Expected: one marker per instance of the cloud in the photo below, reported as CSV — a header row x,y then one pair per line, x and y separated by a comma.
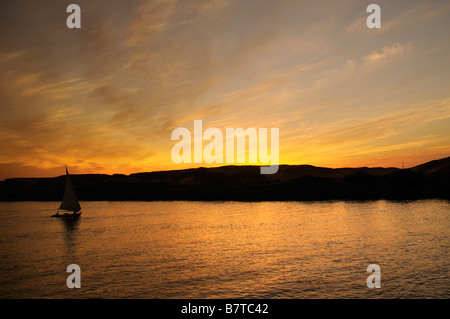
x,y
415,15
395,49
6,57
336,73
153,17
373,135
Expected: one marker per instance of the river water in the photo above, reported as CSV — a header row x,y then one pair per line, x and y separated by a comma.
x,y
227,249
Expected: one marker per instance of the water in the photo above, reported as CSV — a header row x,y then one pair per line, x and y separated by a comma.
x,y
227,250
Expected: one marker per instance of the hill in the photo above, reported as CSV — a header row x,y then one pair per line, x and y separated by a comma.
x,y
245,183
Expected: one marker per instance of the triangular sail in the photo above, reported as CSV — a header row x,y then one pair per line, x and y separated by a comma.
x,y
70,201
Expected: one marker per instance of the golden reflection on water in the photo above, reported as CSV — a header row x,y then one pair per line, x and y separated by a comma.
x,y
227,249
71,226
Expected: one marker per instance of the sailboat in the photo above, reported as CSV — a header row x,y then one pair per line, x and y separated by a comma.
x,y
70,201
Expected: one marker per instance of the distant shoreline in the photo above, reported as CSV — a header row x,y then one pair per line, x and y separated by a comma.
x,y
244,183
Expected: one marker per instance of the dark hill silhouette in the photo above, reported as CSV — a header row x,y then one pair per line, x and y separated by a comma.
x,y
437,166
245,183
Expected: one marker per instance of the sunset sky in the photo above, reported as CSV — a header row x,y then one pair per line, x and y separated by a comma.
x,y
105,98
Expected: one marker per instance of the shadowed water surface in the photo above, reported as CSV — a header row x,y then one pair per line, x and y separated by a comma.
x,y
226,249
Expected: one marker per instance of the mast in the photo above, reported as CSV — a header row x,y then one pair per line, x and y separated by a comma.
x,y
70,200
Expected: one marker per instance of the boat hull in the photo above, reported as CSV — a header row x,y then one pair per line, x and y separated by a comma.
x,y
67,215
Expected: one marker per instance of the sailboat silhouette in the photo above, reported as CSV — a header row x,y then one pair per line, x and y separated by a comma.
x,y
70,201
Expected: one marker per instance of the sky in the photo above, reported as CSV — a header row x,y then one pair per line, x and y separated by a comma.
x,y
105,98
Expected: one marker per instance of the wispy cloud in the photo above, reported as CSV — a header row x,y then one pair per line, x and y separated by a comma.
x,y
6,57
387,51
153,16
416,14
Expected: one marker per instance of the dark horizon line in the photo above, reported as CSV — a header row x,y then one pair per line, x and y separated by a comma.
x,y
245,183
233,165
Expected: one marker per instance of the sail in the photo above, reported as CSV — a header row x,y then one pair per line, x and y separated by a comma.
x,y
70,200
